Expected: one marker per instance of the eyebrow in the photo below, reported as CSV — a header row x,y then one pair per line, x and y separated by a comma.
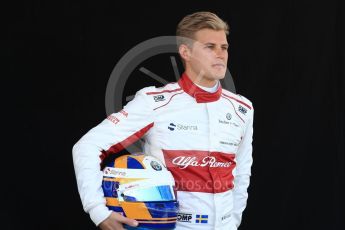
x,y
210,43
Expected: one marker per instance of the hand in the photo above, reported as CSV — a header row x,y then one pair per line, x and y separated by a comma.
x,y
115,221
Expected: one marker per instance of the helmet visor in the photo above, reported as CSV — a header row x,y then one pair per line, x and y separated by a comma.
x,y
146,194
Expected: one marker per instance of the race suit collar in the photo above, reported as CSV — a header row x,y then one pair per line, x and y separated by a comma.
x,y
200,95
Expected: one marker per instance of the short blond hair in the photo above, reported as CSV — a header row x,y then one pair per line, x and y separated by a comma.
x,y
192,23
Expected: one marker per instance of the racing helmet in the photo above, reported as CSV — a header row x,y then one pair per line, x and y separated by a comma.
x,y
139,187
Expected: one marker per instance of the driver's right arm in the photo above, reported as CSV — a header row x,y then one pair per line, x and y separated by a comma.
x,y
115,133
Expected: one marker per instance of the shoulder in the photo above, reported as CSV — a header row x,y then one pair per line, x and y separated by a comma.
x,y
242,106
238,99
159,94
166,89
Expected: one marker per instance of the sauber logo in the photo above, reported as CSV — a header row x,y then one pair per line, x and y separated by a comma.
x,y
183,162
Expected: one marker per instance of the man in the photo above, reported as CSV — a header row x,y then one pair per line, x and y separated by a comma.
x,y
202,133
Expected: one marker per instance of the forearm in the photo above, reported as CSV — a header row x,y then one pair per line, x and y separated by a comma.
x,y
89,180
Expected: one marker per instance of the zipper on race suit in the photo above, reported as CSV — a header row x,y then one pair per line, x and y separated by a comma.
x,y
210,135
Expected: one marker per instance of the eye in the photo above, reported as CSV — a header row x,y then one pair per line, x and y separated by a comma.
x,y
210,46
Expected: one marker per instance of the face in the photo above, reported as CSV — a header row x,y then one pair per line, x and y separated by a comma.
x,y
206,60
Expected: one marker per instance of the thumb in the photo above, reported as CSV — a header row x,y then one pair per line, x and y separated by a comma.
x,y
128,221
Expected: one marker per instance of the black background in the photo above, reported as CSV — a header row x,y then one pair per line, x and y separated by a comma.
x,y
287,57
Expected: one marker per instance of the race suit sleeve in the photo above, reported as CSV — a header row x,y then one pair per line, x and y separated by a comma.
x,y
115,133
243,171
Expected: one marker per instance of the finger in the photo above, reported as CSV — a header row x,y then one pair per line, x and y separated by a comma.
x,y
111,226
127,221
112,223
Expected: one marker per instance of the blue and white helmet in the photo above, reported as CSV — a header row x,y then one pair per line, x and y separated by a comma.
x,y
141,188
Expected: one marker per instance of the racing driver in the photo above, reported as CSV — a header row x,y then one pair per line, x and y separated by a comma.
x,y
202,133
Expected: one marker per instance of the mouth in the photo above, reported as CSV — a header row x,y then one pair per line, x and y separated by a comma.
x,y
218,65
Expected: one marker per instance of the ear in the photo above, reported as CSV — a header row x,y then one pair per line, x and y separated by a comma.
x,y
185,52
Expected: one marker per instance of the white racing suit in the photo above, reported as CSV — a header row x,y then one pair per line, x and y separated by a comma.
x,y
204,139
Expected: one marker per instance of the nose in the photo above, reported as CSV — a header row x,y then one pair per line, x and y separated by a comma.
x,y
220,52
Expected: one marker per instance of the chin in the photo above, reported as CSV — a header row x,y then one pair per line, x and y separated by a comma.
x,y
218,76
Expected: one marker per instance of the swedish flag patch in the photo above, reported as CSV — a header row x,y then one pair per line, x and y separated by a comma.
x,y
201,219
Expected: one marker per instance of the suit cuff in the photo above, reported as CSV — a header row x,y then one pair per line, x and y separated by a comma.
x,y
99,213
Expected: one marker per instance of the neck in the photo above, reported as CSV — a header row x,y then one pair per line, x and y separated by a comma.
x,y
200,79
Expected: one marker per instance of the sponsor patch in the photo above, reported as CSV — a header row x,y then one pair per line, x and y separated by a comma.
x,y
242,109
182,127
201,219
159,98
113,119
226,216
113,172
223,122
228,143
124,113
171,126
184,163
208,161
156,166
184,217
